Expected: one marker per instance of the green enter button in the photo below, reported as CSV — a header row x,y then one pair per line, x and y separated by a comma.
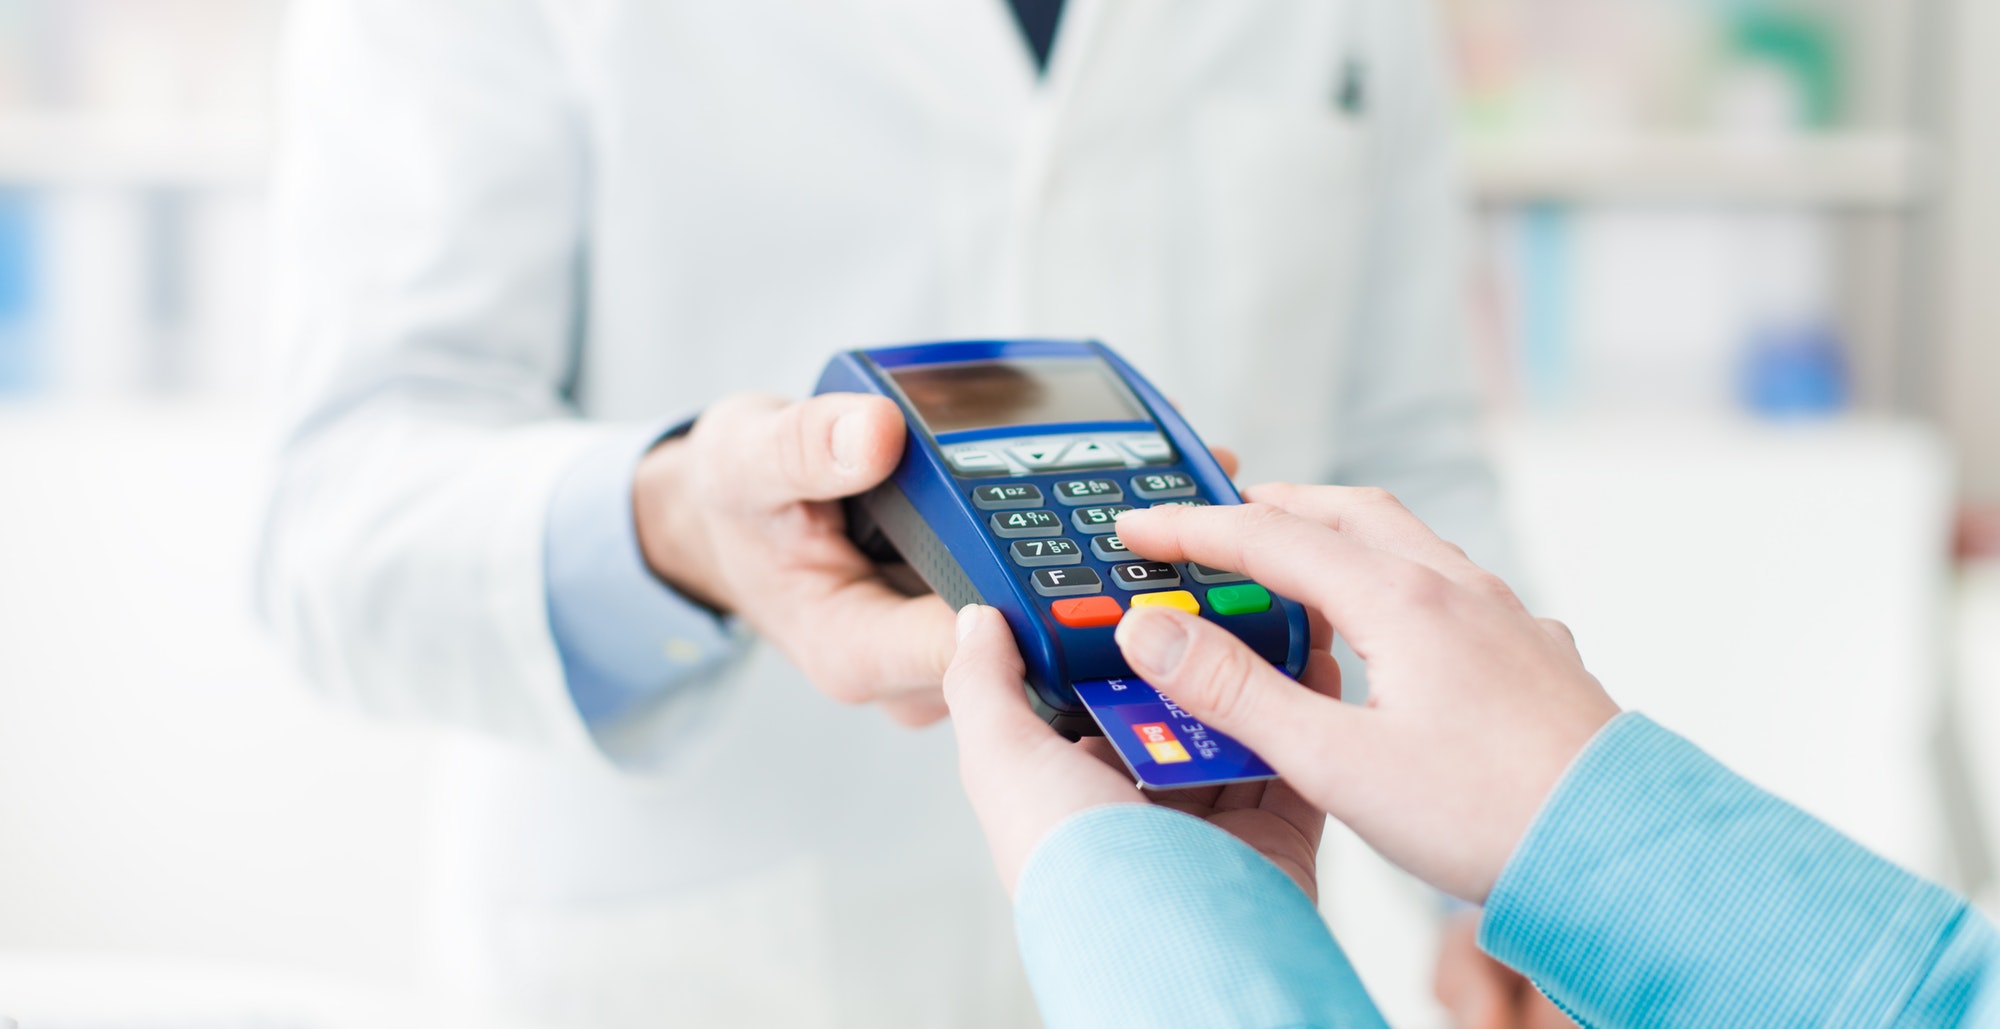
x,y
1245,599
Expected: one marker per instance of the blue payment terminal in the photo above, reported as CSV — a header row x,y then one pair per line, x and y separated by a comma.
x,y
1020,456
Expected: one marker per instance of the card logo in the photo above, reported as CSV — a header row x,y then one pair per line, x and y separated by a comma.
x,y
1160,743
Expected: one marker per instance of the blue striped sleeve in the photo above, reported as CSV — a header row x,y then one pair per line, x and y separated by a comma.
x,y
1656,887
1134,915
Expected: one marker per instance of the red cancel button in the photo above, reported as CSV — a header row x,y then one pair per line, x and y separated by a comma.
x,y
1087,612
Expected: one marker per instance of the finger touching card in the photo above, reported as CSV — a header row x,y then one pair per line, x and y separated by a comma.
x,y
1165,747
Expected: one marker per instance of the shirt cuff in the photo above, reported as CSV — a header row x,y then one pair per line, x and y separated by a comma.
x,y
1130,914
1656,886
625,637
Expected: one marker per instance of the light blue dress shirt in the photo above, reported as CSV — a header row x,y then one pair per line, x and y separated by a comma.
x,y
626,638
1654,888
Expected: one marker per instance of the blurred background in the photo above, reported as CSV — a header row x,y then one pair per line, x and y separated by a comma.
x,y
1729,301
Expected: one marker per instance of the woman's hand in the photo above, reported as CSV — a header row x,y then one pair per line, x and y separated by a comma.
x,y
1024,780
1475,707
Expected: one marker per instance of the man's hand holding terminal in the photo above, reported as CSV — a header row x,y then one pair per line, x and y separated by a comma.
x,y
743,514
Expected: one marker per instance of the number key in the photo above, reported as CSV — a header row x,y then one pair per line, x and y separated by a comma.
x,y
1044,553
1006,496
1145,575
1019,524
1161,485
1098,519
1109,548
1089,491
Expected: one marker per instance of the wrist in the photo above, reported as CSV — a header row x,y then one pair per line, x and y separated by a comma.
x,y
1537,789
672,534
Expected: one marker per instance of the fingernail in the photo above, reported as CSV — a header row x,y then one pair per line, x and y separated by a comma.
x,y
1154,640
968,616
850,441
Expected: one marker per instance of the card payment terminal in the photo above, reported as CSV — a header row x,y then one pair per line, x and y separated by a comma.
x,y
1020,456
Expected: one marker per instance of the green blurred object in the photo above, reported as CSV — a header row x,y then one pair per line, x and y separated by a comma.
x,y
1804,43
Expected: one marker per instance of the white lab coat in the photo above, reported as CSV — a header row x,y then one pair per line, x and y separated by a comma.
x,y
509,228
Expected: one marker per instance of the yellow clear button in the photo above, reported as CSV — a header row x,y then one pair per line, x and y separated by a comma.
x,y
1171,598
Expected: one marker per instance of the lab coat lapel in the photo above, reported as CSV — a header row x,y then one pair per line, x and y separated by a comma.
x,y
1036,162
964,58
1090,193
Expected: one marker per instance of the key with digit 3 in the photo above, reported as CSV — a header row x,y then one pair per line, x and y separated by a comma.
x,y
1020,456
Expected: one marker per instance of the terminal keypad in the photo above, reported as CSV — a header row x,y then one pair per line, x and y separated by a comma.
x,y
1051,549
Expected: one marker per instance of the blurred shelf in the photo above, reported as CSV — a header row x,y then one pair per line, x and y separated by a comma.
x,y
63,150
1867,171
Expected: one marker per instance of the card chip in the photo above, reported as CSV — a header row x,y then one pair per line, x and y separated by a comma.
x,y
1160,743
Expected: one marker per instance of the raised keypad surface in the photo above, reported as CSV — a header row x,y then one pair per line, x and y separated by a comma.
x,y
1243,599
1019,524
1145,575
1181,599
1098,519
1039,457
1045,553
975,461
1109,548
1089,491
1209,576
1066,582
1092,454
1061,452
1162,485
1087,612
1070,552
1007,496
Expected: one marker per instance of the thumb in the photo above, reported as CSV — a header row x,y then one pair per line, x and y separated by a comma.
x,y
983,688
823,448
1219,680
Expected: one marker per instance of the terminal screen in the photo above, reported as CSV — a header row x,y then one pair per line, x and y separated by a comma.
x,y
1005,394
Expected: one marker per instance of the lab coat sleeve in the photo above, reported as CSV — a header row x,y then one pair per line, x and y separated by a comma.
x,y
1410,418
627,640
429,242
1656,887
1136,915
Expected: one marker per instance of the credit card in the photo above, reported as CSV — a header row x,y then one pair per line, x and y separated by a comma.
x,y
1165,747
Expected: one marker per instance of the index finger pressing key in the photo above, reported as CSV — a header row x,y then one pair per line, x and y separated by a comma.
x,y
1360,589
